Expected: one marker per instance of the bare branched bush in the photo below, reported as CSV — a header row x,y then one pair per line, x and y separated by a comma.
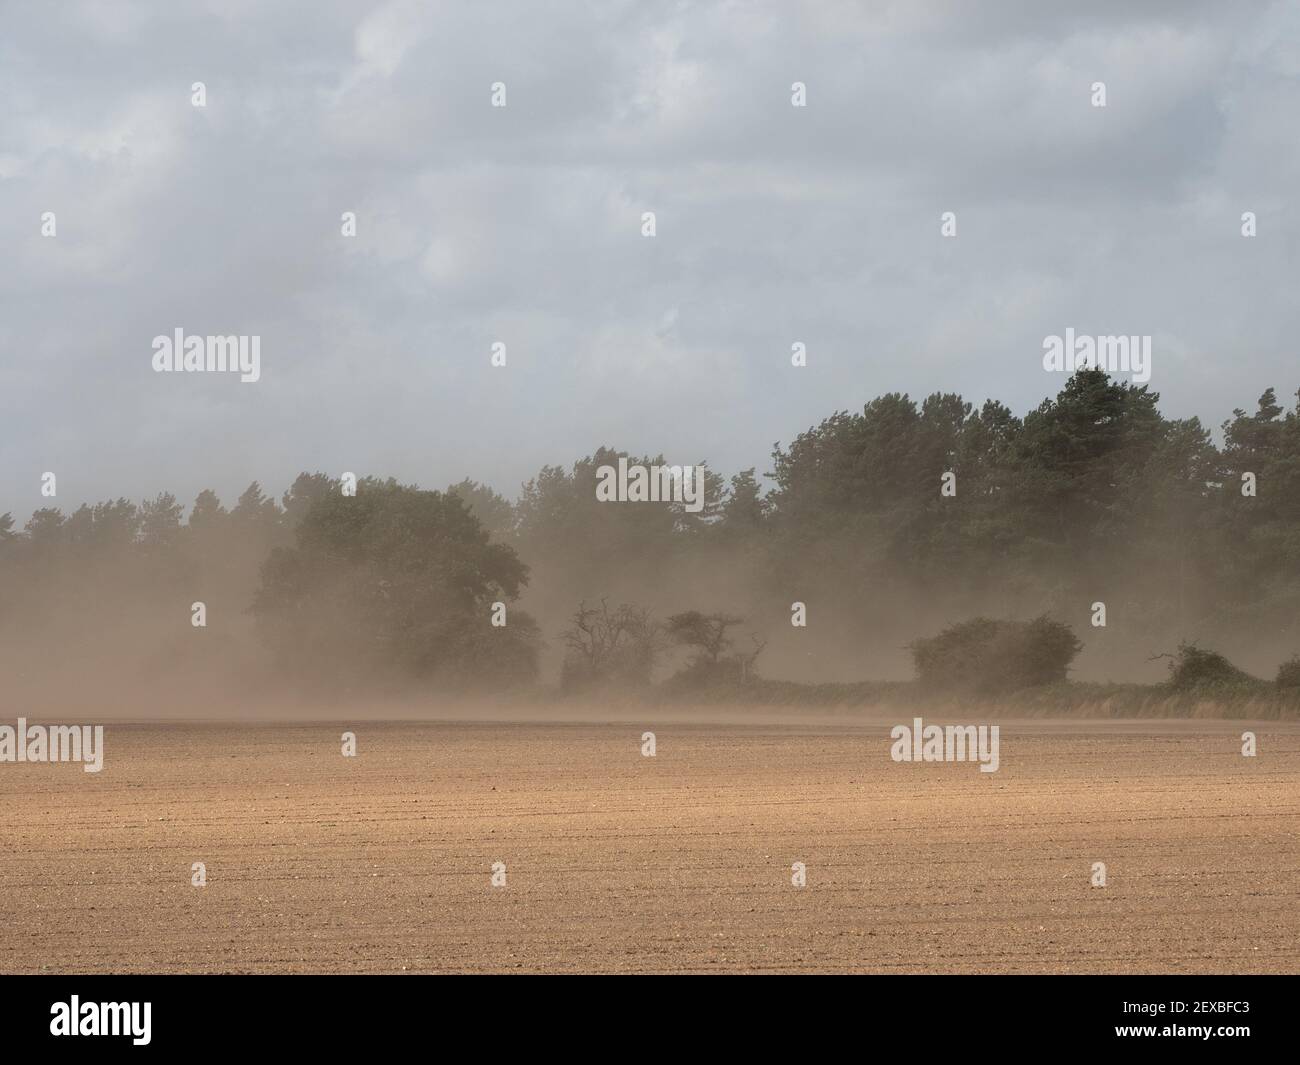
x,y
604,646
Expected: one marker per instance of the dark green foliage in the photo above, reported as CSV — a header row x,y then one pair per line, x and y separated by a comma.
x,y
986,656
1288,673
1194,668
396,581
306,489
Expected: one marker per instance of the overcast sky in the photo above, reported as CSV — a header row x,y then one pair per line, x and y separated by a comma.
x,y
522,224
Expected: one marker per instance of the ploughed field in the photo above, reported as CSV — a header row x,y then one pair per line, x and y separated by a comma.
x,y
617,862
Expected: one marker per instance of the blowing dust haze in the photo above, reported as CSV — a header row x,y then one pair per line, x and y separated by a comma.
x,y
637,488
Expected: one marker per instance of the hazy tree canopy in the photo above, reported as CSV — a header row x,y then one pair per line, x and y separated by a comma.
x,y
396,576
160,521
255,511
305,490
744,508
495,512
207,512
705,634
1197,668
1092,497
987,656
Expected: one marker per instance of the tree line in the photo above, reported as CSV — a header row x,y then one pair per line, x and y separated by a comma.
x,y
1094,496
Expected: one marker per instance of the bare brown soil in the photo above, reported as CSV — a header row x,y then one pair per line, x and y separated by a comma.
x,y
682,862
